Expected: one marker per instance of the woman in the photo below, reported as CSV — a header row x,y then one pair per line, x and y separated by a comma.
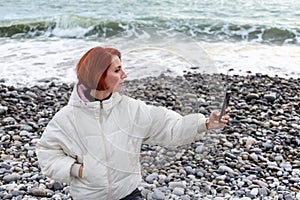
x,y
94,142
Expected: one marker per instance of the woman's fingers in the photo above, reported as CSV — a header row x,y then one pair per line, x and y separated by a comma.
x,y
227,110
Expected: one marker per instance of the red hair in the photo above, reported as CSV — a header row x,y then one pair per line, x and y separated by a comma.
x,y
93,65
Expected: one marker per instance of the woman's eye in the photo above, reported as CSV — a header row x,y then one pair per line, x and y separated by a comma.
x,y
117,70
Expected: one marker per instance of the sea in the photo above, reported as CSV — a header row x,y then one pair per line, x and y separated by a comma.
x,y
42,40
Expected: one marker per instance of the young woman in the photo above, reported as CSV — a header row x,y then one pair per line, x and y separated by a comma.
x,y
94,142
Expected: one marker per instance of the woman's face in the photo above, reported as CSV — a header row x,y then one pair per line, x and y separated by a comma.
x,y
115,76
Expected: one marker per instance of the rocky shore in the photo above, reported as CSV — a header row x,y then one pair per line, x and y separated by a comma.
x,y
257,156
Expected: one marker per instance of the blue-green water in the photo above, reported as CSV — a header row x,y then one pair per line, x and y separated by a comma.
x,y
258,35
274,21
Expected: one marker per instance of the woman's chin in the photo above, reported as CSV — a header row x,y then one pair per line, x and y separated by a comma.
x,y
118,89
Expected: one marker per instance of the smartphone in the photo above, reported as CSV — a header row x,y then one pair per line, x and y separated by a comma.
x,y
225,104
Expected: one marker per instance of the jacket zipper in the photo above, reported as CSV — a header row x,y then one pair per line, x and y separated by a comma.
x,y
106,156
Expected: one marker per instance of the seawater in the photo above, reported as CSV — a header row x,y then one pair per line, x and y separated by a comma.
x,y
42,40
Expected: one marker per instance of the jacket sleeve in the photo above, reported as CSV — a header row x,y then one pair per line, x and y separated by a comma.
x,y
168,128
52,153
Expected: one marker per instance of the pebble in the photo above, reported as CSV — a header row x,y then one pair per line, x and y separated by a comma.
x,y
270,97
260,183
255,156
297,172
57,185
11,177
298,196
250,141
39,193
3,109
178,191
263,191
254,192
159,195
251,96
150,178
222,169
173,185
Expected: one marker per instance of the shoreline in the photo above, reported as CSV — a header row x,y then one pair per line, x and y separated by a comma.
x,y
256,156
46,82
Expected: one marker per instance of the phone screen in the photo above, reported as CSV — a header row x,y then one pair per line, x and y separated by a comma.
x,y
225,104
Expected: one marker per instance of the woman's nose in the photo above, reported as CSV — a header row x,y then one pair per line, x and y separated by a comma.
x,y
124,75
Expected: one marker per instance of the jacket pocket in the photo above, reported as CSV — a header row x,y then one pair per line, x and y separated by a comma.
x,y
94,173
94,164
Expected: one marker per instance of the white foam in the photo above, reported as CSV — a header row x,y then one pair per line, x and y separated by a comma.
x,y
29,62
283,60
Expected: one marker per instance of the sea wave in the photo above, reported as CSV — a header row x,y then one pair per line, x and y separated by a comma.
x,y
75,26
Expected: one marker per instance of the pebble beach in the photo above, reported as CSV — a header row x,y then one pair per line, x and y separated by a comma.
x,y
257,156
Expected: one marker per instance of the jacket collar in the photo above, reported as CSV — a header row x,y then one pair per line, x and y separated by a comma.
x,y
78,99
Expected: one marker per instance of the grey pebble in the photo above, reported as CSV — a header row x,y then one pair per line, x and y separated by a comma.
x,y
298,196
150,178
3,109
254,192
270,97
8,196
57,185
178,191
222,169
254,157
173,185
157,194
11,177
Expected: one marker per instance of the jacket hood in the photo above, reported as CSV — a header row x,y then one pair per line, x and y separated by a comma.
x,y
78,99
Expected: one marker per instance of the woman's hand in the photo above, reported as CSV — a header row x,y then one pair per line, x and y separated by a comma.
x,y
80,171
213,121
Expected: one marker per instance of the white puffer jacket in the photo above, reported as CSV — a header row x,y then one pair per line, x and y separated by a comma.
x,y
106,138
